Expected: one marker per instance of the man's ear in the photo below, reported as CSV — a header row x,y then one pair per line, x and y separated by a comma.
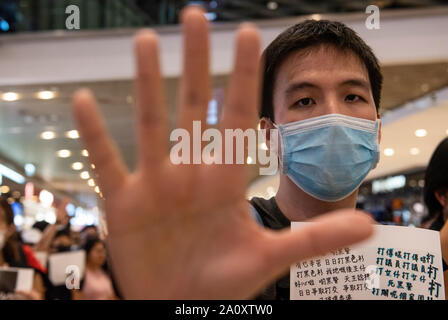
x,y
379,129
442,197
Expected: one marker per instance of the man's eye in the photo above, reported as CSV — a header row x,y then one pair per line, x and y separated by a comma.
x,y
354,98
305,102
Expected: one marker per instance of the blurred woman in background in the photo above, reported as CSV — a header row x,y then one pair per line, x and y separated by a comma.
x,y
97,283
15,254
436,199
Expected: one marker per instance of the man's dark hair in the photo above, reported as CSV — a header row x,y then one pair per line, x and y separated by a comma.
x,y
62,233
87,227
311,33
436,179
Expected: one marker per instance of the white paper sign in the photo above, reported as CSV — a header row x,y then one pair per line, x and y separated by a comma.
x,y
42,257
396,263
58,263
16,279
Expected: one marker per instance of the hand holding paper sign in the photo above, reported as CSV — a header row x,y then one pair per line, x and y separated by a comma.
x,y
184,231
17,284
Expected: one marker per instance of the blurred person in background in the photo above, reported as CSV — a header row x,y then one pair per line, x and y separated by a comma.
x,y
62,242
58,234
15,254
88,232
57,238
97,283
435,194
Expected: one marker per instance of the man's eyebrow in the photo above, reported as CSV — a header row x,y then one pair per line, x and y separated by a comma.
x,y
299,85
357,83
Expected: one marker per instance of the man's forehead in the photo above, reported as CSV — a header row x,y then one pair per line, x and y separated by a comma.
x,y
322,60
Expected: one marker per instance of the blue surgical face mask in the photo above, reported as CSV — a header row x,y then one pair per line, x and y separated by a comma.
x,y
329,156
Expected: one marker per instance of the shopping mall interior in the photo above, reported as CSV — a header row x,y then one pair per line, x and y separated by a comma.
x,y
42,63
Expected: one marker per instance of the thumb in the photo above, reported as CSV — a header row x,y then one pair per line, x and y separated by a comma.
x,y
323,234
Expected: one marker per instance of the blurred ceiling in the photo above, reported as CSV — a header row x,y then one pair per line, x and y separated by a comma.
x,y
403,83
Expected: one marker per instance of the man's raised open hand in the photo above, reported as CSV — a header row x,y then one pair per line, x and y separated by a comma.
x,y
184,231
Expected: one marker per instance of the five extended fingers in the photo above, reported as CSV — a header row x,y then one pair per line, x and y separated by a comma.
x,y
241,107
281,250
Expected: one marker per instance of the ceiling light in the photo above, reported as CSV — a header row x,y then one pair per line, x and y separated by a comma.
x,y
414,151
72,134
213,4
85,153
30,169
272,5
91,183
46,198
48,135
420,133
85,175
77,166
11,174
92,166
425,87
46,95
64,153
4,189
210,16
389,152
4,25
97,189
10,96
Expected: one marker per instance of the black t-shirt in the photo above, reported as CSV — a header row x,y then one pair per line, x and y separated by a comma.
x,y
437,226
274,219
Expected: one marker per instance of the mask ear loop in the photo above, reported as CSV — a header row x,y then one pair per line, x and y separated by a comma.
x,y
274,147
378,128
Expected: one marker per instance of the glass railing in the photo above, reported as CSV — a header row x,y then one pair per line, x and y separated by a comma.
x,y
45,15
